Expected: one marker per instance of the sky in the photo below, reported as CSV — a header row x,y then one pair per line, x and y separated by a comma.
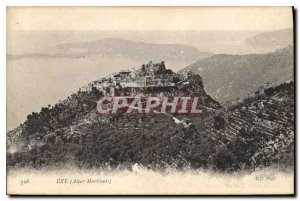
x,y
148,18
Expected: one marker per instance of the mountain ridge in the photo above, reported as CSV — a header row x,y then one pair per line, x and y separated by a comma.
x,y
119,47
273,39
228,77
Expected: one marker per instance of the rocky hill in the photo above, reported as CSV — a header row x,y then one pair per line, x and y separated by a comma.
x,y
227,77
254,132
63,132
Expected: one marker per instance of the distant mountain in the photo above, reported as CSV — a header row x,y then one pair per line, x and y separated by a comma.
x,y
275,39
133,49
228,77
122,48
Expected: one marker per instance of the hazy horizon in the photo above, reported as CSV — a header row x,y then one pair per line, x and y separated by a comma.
x,y
216,42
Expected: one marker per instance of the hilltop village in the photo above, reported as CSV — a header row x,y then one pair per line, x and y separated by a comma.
x,y
255,132
150,77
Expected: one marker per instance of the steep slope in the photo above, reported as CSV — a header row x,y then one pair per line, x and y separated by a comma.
x,y
72,132
255,132
227,77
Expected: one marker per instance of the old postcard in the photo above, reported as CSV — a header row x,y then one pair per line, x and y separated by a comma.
x,y
150,101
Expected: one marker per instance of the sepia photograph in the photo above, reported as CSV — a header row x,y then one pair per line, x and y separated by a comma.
x,y
150,100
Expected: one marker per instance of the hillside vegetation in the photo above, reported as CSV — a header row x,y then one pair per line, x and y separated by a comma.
x,y
227,77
